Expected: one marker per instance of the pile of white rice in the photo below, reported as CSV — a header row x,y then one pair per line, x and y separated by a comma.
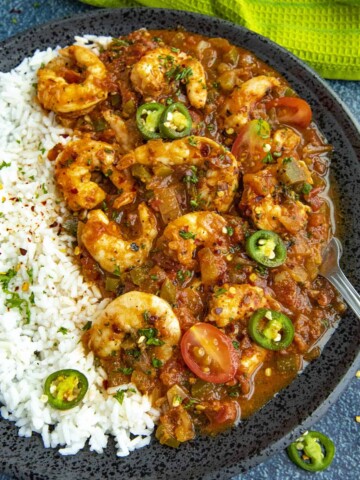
x,y
49,282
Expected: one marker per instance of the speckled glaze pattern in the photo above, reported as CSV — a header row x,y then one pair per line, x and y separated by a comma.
x,y
309,396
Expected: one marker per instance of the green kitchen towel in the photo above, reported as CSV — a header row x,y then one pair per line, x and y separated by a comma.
x,y
324,33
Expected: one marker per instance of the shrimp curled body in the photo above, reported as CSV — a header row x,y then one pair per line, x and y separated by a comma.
x,y
238,106
125,316
216,188
64,91
148,75
73,169
105,243
183,236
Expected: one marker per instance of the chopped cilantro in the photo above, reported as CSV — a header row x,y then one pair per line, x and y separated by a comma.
x,y
5,278
186,235
229,231
126,370
306,189
182,275
87,326
117,271
63,330
119,396
219,291
156,362
192,141
236,344
4,164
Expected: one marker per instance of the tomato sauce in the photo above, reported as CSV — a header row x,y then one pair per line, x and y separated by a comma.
x,y
283,162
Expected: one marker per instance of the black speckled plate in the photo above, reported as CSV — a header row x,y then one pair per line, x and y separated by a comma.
x,y
309,396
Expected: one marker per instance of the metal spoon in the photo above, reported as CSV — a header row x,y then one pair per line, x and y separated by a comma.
x,y
330,269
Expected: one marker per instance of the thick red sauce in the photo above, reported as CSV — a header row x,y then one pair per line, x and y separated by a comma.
x,y
265,185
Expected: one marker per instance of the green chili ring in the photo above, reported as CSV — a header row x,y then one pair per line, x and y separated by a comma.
x,y
313,445
175,121
266,248
65,388
148,118
276,334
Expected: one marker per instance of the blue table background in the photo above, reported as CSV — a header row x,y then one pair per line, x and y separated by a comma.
x,y
339,421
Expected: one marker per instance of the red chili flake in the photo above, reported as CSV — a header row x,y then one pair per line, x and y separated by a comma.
x,y
74,190
23,251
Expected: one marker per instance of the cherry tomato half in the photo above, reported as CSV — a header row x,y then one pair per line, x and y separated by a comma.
x,y
251,138
209,353
292,110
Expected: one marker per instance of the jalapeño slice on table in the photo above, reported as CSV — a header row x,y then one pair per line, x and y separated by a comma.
x,y
65,388
175,121
270,329
313,451
266,248
148,119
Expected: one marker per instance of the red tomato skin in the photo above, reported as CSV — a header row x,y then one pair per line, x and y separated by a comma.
x,y
230,359
292,110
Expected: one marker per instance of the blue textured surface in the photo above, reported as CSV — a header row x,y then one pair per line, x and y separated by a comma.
x,y
339,422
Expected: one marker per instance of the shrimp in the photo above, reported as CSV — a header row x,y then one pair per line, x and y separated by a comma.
x,y
216,188
64,90
238,106
73,169
123,138
236,303
105,243
267,214
126,316
151,73
184,235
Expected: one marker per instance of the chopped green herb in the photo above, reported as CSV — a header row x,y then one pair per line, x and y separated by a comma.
x,y
117,271
148,332
134,352
4,164
63,330
156,342
268,158
156,363
219,291
5,278
119,396
186,235
236,344
87,326
126,370
192,141
182,275
32,298
146,315
117,42
229,231
263,128
155,278
306,189
44,189
287,160
15,301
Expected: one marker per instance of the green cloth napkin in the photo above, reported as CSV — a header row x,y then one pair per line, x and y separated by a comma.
x,y
324,33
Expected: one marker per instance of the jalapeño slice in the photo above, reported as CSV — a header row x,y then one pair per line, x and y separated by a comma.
x,y
175,121
266,248
148,119
270,329
65,388
313,451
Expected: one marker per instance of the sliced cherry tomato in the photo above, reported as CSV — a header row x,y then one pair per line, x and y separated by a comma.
x,y
209,353
292,110
252,138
